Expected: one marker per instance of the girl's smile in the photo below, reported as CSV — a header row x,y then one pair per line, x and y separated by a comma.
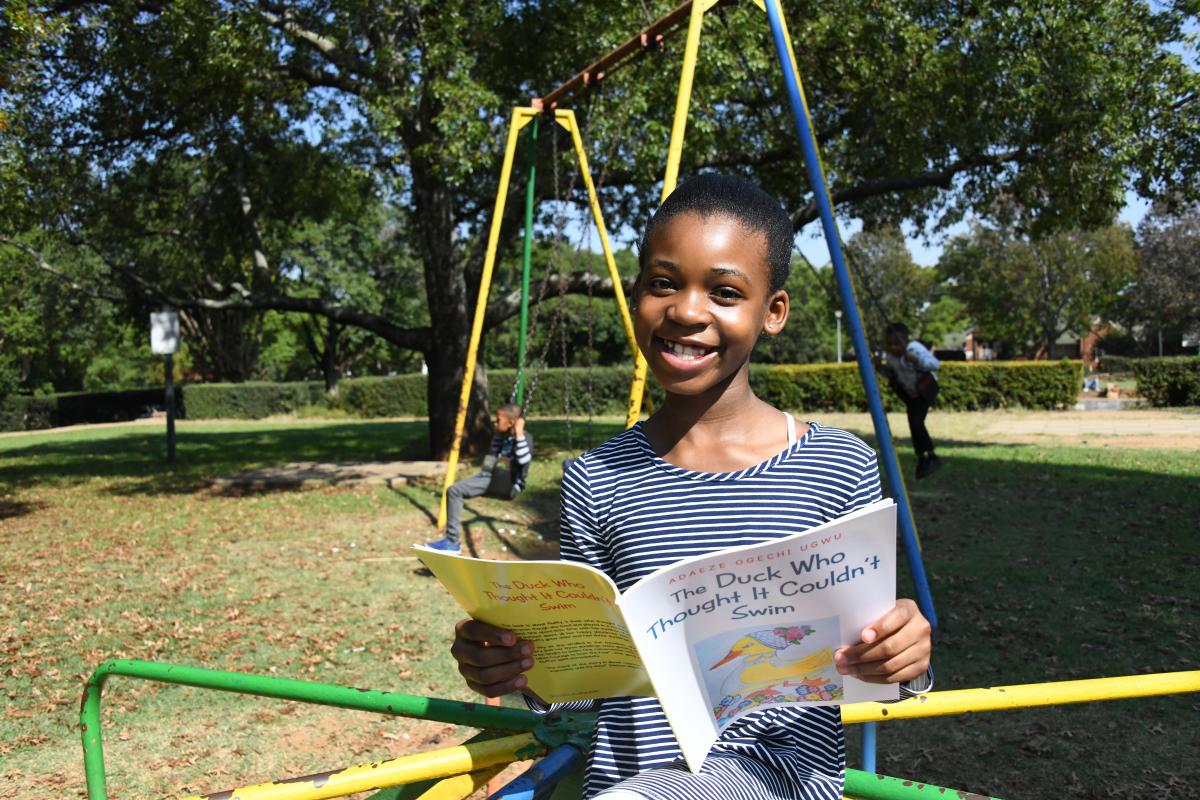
x,y
683,355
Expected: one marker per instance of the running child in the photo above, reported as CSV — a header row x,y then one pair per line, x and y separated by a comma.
x,y
912,371
714,467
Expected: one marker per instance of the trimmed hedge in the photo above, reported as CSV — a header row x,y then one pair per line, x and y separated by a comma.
x,y
1173,381
25,413
603,392
963,386
396,396
251,400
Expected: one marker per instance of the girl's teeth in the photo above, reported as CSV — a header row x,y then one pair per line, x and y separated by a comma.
x,y
685,350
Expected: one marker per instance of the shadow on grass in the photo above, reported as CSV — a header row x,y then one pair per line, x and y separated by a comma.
x,y
205,454
1055,564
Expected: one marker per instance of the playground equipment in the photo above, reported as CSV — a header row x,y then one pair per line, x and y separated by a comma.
x,y
558,741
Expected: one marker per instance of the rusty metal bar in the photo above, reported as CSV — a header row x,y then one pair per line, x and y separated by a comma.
x,y
649,38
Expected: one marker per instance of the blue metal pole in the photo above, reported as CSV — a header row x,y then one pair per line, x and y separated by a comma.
x,y
846,290
543,775
868,746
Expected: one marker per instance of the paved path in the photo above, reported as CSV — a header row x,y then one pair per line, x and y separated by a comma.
x,y
312,473
1131,428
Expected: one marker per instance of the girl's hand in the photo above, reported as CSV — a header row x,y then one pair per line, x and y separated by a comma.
x,y
894,648
519,427
491,659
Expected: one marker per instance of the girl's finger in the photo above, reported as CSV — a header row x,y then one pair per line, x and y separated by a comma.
x,y
906,665
482,632
895,619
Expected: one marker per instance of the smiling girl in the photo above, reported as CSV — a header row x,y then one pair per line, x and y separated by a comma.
x,y
714,467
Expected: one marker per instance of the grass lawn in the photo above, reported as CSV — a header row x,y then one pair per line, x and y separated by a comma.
x,y
1052,556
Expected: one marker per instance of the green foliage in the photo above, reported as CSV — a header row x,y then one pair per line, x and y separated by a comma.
x,y
396,396
890,286
1023,293
963,386
1165,295
24,413
971,386
251,400
597,392
1169,381
604,391
810,335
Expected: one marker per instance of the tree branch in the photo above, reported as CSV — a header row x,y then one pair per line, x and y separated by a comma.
x,y
558,283
940,178
46,266
239,298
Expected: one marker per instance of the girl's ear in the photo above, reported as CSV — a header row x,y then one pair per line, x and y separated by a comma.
x,y
778,306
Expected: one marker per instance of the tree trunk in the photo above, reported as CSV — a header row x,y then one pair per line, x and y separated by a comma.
x,y
329,357
450,310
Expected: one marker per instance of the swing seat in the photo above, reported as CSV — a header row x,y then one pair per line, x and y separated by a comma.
x,y
499,468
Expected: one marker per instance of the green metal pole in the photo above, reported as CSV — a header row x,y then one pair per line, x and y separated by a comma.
x,y
526,260
869,786
455,712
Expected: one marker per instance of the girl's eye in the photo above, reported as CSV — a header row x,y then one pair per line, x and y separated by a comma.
x,y
726,293
658,284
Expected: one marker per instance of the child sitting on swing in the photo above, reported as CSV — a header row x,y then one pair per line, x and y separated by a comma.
x,y
503,475
714,467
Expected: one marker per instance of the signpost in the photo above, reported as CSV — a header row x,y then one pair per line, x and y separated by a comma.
x,y
164,340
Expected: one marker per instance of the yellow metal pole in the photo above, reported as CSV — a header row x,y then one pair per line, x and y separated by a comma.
x,y
567,119
671,176
520,118
394,772
1003,698
460,786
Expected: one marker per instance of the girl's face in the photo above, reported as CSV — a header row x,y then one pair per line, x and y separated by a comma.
x,y
703,299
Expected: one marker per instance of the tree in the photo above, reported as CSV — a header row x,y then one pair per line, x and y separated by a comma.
x,y
923,111
1165,294
1025,292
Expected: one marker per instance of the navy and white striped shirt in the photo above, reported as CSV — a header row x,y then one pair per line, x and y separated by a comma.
x,y
628,512
520,453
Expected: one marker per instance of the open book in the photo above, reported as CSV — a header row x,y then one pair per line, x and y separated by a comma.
x,y
712,637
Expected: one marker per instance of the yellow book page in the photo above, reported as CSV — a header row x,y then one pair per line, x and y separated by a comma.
x,y
582,647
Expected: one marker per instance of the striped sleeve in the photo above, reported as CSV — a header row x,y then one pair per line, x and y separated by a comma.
x,y
524,449
867,489
579,538
497,443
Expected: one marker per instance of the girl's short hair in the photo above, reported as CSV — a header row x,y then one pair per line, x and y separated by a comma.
x,y
729,195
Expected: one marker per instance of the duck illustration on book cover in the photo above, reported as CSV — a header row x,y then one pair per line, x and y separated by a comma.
x,y
759,666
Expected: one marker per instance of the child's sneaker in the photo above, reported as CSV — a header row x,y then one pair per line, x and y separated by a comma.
x,y
444,545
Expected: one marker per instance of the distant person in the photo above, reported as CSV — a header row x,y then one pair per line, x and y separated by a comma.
x,y
912,371
503,475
